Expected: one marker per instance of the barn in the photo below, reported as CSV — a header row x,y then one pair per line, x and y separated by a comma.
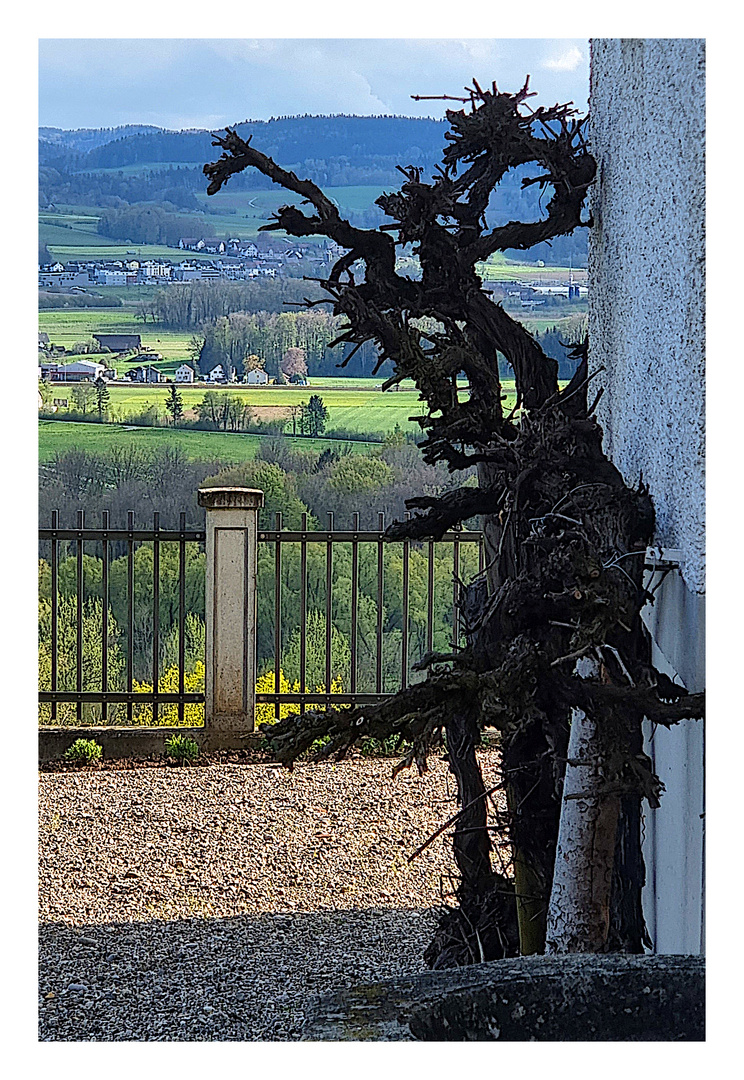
x,y
119,342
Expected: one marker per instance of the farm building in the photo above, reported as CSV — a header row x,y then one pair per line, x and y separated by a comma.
x,y
257,377
184,374
119,342
77,372
217,374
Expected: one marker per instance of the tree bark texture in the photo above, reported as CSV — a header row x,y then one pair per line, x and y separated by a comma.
x,y
579,911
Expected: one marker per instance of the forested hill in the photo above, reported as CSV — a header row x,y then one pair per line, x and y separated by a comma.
x,y
140,164
84,139
291,140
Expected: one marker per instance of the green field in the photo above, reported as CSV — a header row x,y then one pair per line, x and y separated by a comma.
x,y
68,327
67,244
359,410
56,437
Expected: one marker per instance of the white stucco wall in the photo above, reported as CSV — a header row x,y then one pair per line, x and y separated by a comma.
x,y
646,268
646,328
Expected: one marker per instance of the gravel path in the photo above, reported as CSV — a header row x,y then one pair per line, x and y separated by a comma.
x,y
211,903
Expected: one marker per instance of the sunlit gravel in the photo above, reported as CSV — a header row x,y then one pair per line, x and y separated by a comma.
x,y
213,903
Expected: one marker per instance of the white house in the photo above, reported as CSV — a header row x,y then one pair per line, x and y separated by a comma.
x,y
184,374
647,340
257,377
217,374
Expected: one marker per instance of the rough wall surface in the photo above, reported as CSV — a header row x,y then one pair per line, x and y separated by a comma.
x,y
646,267
646,327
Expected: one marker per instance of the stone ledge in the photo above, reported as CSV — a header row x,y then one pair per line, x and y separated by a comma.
x,y
134,742
577,998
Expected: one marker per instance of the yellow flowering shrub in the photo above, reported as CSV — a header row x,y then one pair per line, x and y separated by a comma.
x,y
266,710
193,714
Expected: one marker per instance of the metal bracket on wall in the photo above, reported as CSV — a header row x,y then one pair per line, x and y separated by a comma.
x,y
660,560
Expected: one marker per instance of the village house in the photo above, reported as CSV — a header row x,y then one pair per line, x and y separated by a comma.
x,y
256,377
184,374
144,375
152,269
217,374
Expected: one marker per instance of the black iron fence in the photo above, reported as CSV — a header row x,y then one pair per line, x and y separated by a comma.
x,y
87,635
343,617
367,674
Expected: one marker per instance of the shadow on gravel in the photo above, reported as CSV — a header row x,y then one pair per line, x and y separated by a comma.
x,y
244,978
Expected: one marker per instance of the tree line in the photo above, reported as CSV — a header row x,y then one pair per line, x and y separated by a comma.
x,y
149,224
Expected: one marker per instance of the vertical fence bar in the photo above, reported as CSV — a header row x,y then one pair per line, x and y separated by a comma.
x,y
404,639
130,610
380,589
456,589
430,598
481,554
79,614
329,603
181,611
104,613
54,588
277,613
303,610
354,600
156,616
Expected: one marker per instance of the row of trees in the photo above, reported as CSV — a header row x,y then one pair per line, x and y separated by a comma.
x,y
149,224
270,335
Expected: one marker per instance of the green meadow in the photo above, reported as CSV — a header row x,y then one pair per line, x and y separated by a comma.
x,y
57,437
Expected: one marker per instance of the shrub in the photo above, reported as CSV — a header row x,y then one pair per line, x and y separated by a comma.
x,y
182,748
84,752
393,746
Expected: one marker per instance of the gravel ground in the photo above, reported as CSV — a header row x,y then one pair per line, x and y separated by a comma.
x,y
210,904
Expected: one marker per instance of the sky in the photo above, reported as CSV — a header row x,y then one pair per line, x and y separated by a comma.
x,y
210,82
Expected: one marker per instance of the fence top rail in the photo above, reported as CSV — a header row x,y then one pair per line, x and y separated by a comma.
x,y
269,535
349,536
122,534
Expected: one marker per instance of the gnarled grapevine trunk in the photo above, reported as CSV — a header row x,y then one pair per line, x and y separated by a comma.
x,y
564,535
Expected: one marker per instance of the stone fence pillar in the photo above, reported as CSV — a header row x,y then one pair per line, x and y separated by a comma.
x,y
230,607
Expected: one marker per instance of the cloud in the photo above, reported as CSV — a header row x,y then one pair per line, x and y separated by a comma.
x,y
567,61
210,82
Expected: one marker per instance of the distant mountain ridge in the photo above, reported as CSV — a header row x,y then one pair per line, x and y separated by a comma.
x,y
84,139
290,139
